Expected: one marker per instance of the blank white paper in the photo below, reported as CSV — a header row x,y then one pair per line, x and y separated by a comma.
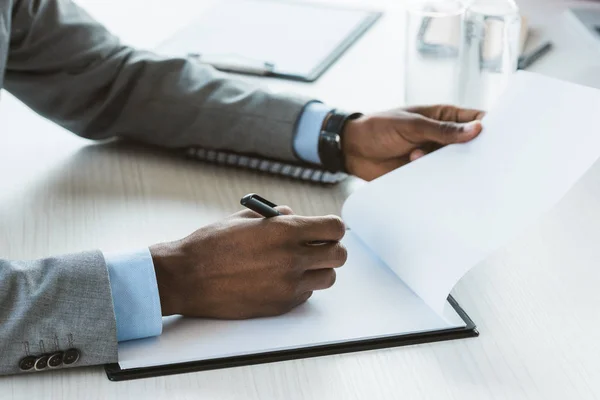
x,y
367,301
434,219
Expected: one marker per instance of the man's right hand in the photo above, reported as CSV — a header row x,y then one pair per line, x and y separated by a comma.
x,y
248,266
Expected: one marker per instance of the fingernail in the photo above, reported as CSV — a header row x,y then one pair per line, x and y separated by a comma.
x,y
472,126
416,154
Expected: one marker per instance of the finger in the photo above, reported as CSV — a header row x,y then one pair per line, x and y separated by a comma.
x,y
329,255
320,229
443,132
448,113
467,115
317,280
416,154
246,214
285,210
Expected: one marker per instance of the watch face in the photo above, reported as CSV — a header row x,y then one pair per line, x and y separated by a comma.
x,y
330,143
330,151
333,139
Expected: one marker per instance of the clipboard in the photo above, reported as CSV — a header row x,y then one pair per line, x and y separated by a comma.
x,y
116,374
284,39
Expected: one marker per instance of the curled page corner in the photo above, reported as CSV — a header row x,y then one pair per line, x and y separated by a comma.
x,y
434,219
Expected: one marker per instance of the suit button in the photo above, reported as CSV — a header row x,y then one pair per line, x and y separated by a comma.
x,y
41,363
55,360
27,363
71,356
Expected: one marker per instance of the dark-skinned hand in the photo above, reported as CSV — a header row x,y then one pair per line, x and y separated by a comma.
x,y
376,144
248,266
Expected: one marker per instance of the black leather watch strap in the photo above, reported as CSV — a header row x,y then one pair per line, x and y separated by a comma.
x,y
330,141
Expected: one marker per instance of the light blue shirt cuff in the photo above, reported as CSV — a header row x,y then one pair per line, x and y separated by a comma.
x,y
306,141
135,294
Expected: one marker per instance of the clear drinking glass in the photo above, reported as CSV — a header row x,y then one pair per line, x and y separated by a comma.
x,y
490,51
433,36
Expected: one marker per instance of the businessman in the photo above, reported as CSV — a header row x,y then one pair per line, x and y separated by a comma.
x,y
72,310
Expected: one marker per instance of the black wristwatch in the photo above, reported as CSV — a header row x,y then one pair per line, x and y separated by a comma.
x,y
330,140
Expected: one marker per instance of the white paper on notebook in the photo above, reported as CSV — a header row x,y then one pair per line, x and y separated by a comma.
x,y
416,231
434,219
367,301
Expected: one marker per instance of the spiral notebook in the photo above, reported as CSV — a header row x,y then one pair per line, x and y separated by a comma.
x,y
265,165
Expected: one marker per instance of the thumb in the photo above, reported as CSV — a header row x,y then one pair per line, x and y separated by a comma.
x,y
446,132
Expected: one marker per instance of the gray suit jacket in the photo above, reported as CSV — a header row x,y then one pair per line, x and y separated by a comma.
x,y
65,66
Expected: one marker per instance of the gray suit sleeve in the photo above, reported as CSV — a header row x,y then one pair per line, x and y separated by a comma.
x,y
52,305
70,69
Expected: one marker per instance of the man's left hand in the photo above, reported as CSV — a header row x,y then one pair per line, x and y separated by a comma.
x,y
376,144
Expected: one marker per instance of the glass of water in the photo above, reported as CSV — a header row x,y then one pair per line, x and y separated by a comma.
x,y
490,51
432,46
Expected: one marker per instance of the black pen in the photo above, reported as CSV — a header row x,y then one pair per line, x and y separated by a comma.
x,y
260,205
527,59
267,209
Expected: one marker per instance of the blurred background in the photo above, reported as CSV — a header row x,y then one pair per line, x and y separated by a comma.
x,y
372,74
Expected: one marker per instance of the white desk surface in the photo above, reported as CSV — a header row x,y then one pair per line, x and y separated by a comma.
x,y
535,301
